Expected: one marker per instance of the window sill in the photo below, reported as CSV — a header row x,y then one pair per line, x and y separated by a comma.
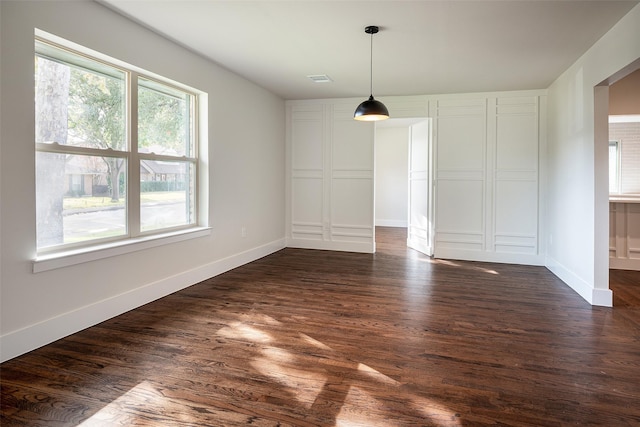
x,y
631,198
79,256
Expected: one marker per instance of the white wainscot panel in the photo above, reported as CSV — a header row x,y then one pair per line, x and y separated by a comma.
x,y
352,201
516,217
516,208
461,142
624,236
517,142
613,251
352,145
351,233
633,230
459,216
306,204
307,137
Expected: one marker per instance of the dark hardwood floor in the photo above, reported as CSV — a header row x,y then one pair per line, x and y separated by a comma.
x,y
318,338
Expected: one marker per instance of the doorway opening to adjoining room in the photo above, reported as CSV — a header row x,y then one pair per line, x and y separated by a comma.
x,y
617,221
404,180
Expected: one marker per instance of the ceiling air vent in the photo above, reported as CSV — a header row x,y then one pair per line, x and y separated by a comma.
x,y
320,78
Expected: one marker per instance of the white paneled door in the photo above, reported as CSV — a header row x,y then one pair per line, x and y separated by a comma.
x,y
421,224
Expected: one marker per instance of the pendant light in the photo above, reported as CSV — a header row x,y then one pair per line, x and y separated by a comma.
x,y
371,109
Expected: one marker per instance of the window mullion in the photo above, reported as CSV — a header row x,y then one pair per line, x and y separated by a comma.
x,y
133,183
78,150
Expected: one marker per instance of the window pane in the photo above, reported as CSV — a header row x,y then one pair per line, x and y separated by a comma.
x,y
166,194
164,120
613,167
76,199
80,106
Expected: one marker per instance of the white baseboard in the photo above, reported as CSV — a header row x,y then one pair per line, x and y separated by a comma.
x,y
482,256
367,248
594,296
24,340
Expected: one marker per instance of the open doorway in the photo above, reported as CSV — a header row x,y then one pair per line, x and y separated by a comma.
x,y
617,109
403,180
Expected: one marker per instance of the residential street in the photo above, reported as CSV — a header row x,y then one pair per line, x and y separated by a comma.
x,y
111,222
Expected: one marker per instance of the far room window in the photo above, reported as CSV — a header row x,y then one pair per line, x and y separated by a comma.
x,y
624,155
614,167
95,154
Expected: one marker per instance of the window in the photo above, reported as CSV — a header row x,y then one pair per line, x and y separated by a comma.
x,y
624,156
105,172
614,167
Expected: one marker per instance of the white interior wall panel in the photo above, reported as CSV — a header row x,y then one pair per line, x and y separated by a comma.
x,y
307,173
331,166
624,235
487,171
352,190
516,175
460,144
613,224
633,232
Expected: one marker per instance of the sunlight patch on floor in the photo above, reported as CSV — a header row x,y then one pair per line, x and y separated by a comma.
x,y
437,414
457,265
315,342
376,375
257,318
120,411
363,410
278,355
306,385
303,385
239,330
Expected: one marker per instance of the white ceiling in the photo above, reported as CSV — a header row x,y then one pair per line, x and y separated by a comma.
x,y
424,47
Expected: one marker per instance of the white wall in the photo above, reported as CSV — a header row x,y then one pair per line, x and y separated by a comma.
x,y
245,186
329,160
576,184
391,175
487,168
487,159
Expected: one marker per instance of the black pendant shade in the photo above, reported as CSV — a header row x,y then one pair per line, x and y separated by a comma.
x,y
371,109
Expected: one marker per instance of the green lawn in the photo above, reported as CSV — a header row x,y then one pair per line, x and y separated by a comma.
x,y
72,203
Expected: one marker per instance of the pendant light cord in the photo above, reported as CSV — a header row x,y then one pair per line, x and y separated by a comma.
x,y
371,66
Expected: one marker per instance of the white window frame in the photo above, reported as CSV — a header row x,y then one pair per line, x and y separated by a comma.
x,y
134,239
616,144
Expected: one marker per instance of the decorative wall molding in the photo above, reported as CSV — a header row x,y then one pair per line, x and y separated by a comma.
x,y
330,178
487,170
624,236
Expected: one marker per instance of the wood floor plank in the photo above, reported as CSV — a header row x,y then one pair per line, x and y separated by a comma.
x,y
320,338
